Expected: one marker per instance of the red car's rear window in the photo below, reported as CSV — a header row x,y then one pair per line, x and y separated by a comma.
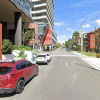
x,y
5,70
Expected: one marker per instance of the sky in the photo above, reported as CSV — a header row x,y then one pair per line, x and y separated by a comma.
x,y
70,14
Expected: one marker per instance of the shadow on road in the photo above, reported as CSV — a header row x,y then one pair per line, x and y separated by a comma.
x,y
87,67
6,95
12,94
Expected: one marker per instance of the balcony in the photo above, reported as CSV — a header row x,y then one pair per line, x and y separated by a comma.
x,y
39,17
40,5
39,11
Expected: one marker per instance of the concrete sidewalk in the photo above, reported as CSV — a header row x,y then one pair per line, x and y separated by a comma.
x,y
93,61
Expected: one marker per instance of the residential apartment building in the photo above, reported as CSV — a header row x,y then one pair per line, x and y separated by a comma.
x,y
97,40
85,41
13,13
89,41
43,14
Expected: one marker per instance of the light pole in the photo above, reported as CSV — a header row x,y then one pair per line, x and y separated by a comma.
x,y
81,42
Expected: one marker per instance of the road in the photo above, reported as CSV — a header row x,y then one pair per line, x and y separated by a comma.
x,y
66,77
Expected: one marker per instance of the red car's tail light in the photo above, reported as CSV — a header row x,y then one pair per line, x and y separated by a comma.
x,y
3,78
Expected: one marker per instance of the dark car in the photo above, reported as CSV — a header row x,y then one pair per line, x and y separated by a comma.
x,y
14,75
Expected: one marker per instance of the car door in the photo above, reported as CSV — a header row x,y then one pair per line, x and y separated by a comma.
x,y
31,67
25,70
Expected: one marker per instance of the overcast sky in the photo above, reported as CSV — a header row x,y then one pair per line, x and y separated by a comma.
x,y
70,14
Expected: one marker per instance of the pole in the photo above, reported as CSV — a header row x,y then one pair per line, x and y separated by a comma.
x,y
81,42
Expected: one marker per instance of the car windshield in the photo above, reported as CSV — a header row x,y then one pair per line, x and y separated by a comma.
x,y
41,55
5,70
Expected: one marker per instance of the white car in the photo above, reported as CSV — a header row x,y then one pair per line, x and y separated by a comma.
x,y
43,58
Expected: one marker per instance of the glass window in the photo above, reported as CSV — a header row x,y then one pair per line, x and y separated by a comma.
x,y
47,54
93,43
18,67
22,65
41,55
93,38
28,64
5,70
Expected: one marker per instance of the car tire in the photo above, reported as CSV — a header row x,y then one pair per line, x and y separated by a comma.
x,y
20,86
47,63
50,60
36,71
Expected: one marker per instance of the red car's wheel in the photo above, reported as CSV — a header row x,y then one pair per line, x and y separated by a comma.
x,y
20,86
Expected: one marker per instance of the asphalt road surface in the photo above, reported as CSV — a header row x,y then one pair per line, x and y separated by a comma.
x,y
66,77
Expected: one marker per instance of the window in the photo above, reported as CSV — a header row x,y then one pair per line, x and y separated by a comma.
x,y
41,55
22,66
47,54
93,43
18,67
28,64
93,38
5,70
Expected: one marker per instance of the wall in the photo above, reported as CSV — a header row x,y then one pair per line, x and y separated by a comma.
x,y
91,38
35,26
0,41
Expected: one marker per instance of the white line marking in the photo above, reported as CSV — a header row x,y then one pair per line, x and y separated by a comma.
x,y
64,55
66,64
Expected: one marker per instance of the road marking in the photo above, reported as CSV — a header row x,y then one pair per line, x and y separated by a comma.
x,y
63,55
66,64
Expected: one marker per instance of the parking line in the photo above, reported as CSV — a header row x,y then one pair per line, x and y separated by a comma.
x,y
66,64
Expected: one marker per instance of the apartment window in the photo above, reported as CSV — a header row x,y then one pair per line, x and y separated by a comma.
x,y
93,38
97,43
92,43
96,37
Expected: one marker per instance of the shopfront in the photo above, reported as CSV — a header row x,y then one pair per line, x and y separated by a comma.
x,y
13,12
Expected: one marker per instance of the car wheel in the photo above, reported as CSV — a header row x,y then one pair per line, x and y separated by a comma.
x,y
20,86
50,59
47,63
36,71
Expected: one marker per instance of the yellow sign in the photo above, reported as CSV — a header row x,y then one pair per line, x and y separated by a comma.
x,y
45,47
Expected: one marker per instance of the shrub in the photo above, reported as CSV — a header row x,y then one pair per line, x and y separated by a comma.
x,y
26,48
6,46
15,47
98,55
22,55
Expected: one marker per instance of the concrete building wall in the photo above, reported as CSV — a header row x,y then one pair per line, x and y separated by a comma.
x,y
43,12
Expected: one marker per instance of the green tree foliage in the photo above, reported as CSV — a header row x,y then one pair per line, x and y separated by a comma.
x,y
27,33
58,45
76,35
71,44
6,46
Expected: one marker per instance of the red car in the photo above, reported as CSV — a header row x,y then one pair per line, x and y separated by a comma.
x,y
14,75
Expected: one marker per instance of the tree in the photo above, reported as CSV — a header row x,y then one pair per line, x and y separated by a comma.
x,y
76,35
27,33
66,44
58,45
6,46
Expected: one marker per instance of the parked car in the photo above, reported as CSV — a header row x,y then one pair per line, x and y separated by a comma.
x,y
68,50
14,75
43,58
